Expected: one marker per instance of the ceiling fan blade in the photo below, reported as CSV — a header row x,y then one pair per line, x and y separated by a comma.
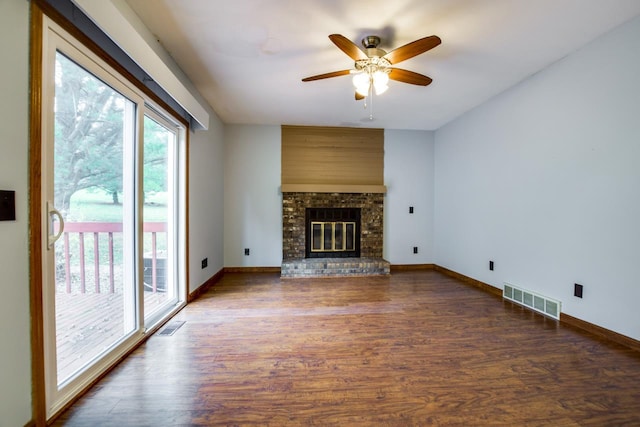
x,y
406,76
327,75
412,49
359,97
348,47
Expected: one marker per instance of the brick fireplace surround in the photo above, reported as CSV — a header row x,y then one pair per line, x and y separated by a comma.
x,y
370,262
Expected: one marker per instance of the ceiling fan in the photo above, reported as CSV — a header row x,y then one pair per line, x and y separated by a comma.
x,y
374,67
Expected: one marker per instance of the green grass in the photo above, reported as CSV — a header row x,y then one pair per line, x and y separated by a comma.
x,y
98,206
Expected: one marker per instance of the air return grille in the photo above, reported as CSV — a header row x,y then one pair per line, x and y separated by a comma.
x,y
539,303
171,328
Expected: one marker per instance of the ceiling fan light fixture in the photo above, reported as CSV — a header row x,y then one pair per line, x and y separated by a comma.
x,y
380,80
380,77
362,83
380,88
363,91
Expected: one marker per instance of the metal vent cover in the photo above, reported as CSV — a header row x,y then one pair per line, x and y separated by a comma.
x,y
171,328
540,303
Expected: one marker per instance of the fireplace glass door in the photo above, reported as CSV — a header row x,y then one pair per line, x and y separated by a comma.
x,y
332,232
333,236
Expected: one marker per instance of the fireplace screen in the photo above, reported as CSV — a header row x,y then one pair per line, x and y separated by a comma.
x,y
332,232
333,236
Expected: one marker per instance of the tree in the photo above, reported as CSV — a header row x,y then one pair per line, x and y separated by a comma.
x,y
155,156
88,131
89,137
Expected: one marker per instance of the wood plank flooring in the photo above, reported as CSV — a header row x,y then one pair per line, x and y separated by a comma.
x,y
412,349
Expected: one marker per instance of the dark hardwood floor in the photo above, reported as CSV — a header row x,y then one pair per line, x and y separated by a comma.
x,y
417,348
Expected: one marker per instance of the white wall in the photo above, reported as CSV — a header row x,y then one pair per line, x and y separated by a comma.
x,y
206,205
15,356
544,180
408,175
252,197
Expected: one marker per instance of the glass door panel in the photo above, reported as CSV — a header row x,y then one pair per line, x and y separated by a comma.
x,y
159,245
93,192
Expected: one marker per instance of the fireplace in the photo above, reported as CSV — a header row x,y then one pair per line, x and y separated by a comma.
x,y
332,184
367,209
332,232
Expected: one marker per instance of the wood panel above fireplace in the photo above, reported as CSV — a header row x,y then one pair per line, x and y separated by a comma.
x,y
332,160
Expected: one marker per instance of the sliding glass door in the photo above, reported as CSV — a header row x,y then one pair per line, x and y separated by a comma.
x,y
111,196
160,211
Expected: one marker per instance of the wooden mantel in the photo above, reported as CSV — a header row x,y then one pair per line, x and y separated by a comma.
x,y
333,188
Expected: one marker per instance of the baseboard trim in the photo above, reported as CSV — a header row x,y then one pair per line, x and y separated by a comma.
x,y
252,269
409,267
564,318
205,286
600,331
473,282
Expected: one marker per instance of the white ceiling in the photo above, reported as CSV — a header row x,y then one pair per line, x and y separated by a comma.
x,y
247,57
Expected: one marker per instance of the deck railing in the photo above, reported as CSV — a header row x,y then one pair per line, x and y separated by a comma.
x,y
108,230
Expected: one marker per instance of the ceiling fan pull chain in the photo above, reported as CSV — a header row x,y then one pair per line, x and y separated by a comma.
x,y
371,102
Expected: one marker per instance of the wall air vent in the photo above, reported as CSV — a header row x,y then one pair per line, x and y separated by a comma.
x,y
541,304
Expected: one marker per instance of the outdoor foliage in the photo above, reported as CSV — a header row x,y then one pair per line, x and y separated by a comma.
x,y
155,157
93,129
89,130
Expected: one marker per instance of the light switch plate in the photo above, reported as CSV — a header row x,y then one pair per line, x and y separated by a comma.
x,y
7,205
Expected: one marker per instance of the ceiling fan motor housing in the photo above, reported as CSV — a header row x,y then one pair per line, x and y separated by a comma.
x,y
370,41
370,44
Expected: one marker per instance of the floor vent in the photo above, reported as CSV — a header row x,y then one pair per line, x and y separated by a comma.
x,y
536,302
171,328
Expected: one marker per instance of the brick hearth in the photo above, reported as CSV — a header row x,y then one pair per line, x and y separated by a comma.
x,y
329,267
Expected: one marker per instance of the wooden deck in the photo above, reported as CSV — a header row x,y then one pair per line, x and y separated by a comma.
x,y
89,323
415,348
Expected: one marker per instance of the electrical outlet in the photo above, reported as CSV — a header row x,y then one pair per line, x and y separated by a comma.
x,y
415,249
205,262
410,209
246,251
491,265
577,290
